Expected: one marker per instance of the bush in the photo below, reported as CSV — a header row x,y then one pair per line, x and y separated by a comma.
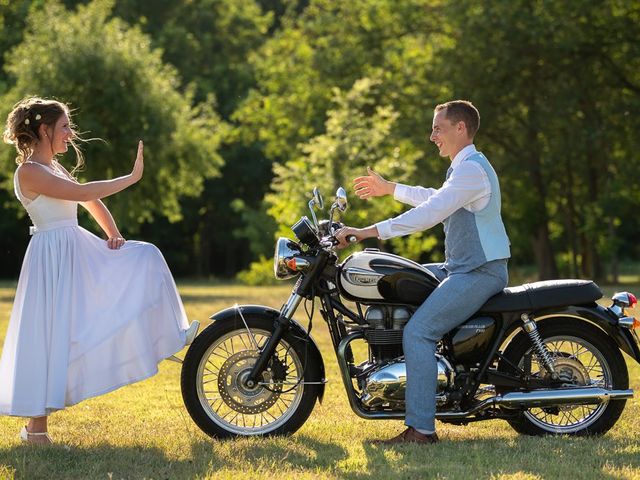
x,y
259,273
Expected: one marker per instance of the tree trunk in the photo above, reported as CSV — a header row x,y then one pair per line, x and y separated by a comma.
x,y
613,261
542,248
543,251
571,216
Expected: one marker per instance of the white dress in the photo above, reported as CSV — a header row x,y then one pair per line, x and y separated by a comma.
x,y
86,319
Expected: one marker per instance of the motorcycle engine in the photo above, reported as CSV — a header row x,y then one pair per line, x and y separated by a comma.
x,y
384,334
384,379
385,386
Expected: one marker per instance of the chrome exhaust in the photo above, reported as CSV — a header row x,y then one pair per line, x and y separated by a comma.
x,y
548,398
542,398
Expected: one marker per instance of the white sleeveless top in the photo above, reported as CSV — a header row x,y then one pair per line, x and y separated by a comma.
x,y
47,213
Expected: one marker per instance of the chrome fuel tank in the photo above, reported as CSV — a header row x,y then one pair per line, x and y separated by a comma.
x,y
373,276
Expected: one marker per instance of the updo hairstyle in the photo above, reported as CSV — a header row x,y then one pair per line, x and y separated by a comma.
x,y
24,121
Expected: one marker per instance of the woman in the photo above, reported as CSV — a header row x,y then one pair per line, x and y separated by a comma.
x,y
89,316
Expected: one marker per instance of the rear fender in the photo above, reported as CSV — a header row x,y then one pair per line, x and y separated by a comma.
x,y
601,318
231,314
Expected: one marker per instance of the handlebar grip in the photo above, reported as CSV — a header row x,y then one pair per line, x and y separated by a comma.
x,y
352,239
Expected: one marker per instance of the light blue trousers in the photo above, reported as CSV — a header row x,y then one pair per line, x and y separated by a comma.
x,y
458,296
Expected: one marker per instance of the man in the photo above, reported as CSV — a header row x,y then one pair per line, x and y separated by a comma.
x,y
476,252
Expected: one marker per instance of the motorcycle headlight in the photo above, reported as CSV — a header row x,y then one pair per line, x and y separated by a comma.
x,y
285,249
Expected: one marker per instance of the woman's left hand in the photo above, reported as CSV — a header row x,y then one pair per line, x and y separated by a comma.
x,y
115,242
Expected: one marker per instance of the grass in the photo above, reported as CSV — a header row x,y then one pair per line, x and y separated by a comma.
x,y
143,431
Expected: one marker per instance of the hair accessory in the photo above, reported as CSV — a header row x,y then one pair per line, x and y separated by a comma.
x,y
26,121
38,116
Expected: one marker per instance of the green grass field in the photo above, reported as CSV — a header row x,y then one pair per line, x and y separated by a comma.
x,y
144,431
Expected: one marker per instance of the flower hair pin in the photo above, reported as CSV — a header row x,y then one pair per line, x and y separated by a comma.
x,y
37,117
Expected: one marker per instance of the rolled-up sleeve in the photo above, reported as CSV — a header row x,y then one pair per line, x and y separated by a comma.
x,y
465,185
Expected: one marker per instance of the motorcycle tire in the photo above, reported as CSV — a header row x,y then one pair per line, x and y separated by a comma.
x,y
605,415
234,397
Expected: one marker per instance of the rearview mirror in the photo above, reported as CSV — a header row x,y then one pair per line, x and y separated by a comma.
x,y
341,199
317,198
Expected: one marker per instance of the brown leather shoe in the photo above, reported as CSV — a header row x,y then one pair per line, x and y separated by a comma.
x,y
410,435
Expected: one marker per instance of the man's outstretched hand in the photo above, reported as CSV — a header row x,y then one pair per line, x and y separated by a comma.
x,y
373,185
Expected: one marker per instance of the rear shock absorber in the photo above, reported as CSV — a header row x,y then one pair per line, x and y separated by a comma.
x,y
542,352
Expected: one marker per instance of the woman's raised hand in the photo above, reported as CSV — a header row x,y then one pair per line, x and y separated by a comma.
x,y
372,185
138,166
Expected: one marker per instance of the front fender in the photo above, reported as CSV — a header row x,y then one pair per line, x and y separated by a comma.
x,y
231,314
601,318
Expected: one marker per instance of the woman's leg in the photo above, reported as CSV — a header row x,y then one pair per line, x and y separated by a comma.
x,y
38,425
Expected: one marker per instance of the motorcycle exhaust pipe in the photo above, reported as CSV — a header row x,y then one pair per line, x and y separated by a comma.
x,y
543,398
548,398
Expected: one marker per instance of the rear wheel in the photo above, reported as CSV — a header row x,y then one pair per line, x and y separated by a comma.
x,y
220,359
584,357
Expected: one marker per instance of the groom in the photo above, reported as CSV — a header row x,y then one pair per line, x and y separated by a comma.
x,y
476,252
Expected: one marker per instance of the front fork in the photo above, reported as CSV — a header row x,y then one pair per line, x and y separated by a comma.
x,y
281,326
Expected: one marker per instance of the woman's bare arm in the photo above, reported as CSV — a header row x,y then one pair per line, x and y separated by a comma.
x,y
37,179
98,211
101,215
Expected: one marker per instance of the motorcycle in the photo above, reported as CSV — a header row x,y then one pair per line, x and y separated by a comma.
x,y
543,356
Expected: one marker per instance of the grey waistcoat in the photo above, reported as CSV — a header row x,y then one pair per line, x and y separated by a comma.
x,y
475,238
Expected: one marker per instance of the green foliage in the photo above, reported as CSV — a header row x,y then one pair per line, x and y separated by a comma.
x,y
315,90
359,133
259,272
122,92
208,41
257,227
555,83
333,44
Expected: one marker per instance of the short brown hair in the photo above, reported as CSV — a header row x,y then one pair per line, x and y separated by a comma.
x,y
462,111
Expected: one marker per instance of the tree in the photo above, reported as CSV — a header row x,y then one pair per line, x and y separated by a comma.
x,y
122,92
555,82
341,86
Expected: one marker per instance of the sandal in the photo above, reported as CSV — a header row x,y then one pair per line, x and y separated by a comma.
x,y
24,435
192,331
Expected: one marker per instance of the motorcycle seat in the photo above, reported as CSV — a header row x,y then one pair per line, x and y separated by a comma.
x,y
546,294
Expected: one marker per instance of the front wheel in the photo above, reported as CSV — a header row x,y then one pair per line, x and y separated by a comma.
x,y
584,356
220,359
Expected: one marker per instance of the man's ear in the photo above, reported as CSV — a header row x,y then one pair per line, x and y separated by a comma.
x,y
461,127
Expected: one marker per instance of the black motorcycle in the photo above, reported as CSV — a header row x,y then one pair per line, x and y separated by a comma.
x,y
543,356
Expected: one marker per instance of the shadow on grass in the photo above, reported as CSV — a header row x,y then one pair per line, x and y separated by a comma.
x,y
102,462
207,456
542,457
549,457
271,455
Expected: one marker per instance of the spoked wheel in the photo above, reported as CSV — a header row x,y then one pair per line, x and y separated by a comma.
x,y
584,357
217,396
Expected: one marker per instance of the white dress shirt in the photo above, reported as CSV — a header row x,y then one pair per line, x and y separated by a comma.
x,y
467,187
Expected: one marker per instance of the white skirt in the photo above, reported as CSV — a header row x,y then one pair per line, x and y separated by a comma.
x,y
85,321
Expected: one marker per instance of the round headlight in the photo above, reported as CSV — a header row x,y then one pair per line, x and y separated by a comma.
x,y
285,249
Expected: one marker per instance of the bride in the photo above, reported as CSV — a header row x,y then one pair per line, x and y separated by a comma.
x,y
89,316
